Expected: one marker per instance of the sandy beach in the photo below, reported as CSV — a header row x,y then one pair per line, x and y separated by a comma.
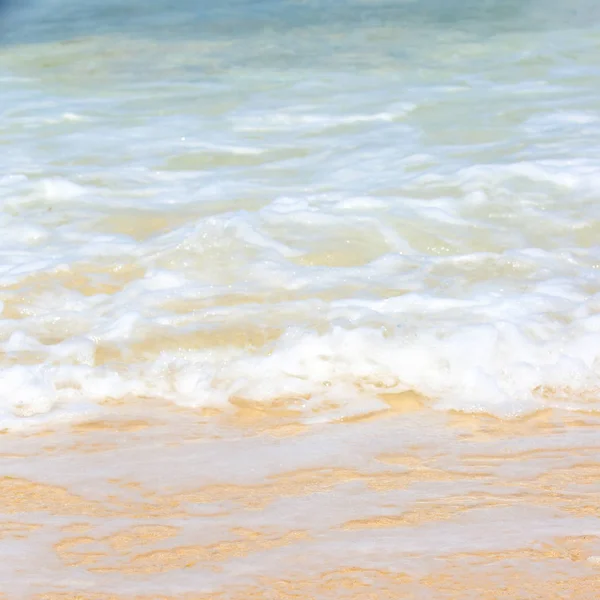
x,y
253,504
299,300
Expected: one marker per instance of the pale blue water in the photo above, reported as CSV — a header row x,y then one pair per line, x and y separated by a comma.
x,y
313,202
44,20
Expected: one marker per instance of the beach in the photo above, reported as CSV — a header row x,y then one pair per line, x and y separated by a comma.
x,y
255,505
299,299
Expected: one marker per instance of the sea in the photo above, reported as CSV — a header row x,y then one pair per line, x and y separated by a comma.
x,y
368,222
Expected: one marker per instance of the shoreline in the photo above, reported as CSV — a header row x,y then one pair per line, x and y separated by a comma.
x,y
255,505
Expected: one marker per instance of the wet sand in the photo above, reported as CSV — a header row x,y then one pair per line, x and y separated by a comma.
x,y
408,503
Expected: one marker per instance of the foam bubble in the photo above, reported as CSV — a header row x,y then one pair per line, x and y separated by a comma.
x,y
26,391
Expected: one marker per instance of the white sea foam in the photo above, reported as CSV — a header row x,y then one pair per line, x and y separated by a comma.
x,y
323,224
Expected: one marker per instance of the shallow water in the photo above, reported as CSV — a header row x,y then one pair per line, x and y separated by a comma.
x,y
260,261
419,505
310,203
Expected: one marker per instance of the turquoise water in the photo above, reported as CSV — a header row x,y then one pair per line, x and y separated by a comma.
x,y
317,203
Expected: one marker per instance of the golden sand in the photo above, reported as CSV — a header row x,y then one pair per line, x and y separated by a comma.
x,y
122,537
